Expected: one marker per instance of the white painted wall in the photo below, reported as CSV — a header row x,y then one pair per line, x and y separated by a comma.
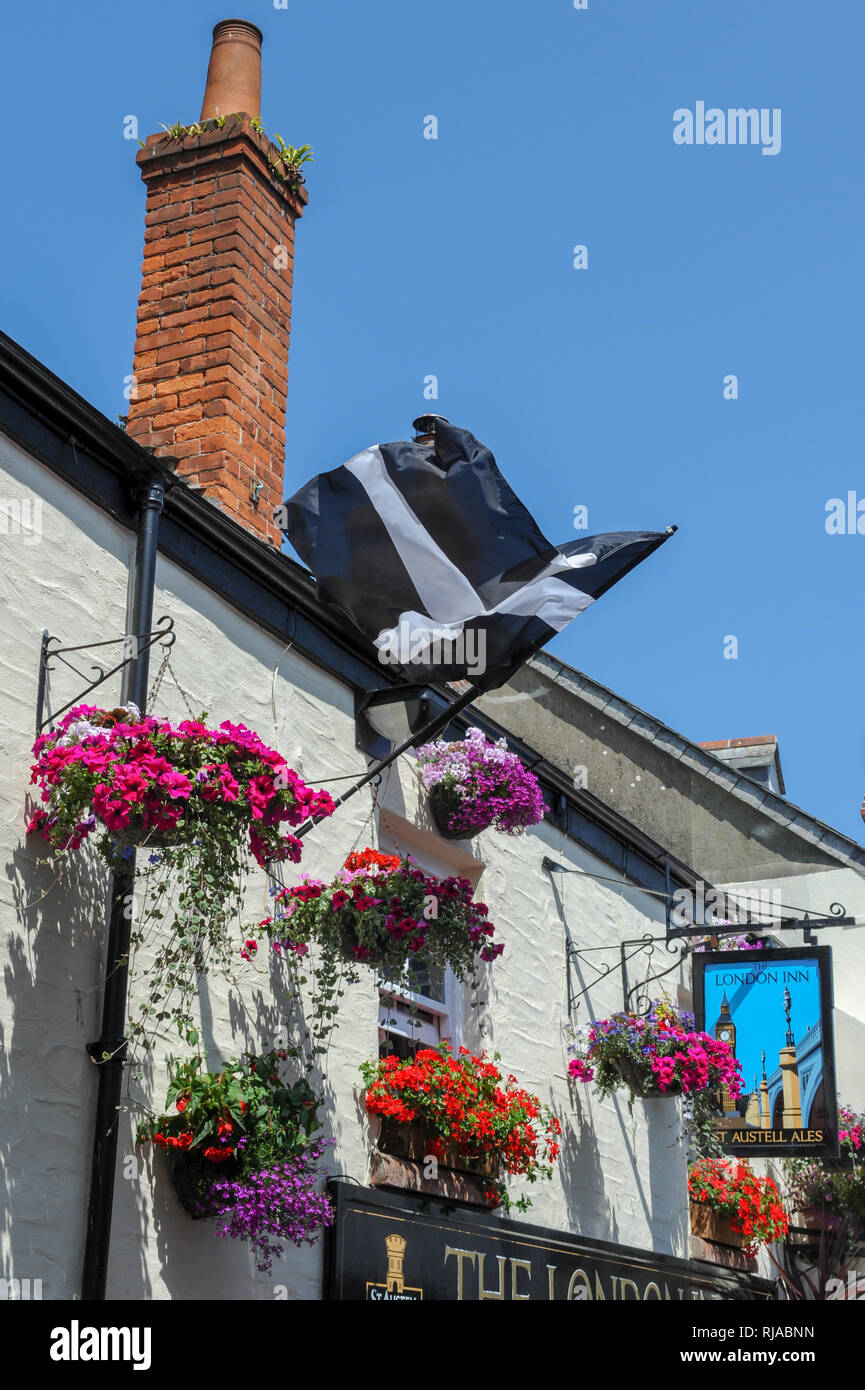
x,y
622,1176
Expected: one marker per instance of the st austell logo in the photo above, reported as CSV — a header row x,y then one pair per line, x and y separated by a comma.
x,y
394,1289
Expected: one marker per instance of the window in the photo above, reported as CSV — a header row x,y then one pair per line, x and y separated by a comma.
x,y
414,1012
426,1006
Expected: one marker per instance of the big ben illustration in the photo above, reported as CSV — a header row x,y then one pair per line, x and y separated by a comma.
x,y
725,1032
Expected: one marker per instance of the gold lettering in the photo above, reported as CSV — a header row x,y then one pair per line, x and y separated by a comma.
x,y
551,1282
587,1288
657,1293
515,1265
491,1293
631,1285
461,1255
599,1292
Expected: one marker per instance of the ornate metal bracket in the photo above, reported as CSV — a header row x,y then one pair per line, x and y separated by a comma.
x,y
643,1002
133,647
627,950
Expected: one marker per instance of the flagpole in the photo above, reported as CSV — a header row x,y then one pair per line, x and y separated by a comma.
x,y
423,735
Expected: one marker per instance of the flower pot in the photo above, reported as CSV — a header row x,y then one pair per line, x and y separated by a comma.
x,y
814,1218
413,1141
193,1176
712,1225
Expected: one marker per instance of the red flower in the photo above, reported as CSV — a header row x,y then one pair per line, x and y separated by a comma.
x,y
218,1155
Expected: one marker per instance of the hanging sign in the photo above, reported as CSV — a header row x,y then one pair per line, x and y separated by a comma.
x,y
388,1247
774,1008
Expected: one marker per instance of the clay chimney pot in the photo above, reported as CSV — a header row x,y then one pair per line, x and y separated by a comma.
x,y
234,71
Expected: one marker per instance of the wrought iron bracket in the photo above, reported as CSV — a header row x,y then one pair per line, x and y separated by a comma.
x,y
133,647
644,945
627,950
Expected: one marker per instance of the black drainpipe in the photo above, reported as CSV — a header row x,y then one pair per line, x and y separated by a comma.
x,y
109,1051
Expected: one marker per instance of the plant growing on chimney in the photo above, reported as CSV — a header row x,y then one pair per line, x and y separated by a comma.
x,y
179,131
294,157
203,801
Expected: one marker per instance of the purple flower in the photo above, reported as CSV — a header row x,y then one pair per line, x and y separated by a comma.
x,y
486,784
275,1204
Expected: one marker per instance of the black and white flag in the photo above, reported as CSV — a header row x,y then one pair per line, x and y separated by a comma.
x,y
428,551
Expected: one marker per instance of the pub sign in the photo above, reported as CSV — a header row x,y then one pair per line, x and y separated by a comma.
x,y
774,1008
396,1247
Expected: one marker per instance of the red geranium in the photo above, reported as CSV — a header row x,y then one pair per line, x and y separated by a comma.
x,y
464,1103
751,1204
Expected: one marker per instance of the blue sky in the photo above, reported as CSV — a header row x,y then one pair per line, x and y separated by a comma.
x,y
600,387
757,1008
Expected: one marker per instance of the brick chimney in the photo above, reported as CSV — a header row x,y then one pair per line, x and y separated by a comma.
x,y
211,348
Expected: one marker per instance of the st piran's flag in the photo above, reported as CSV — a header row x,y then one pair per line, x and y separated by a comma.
x,y
426,549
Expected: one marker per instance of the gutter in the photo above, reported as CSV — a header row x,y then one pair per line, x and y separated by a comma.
x,y
108,1053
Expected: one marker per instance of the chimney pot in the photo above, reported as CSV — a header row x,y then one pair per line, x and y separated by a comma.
x,y
234,71
211,349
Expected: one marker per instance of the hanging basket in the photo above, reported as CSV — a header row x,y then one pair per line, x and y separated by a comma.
x,y
347,941
412,1141
712,1225
193,1176
151,840
444,804
641,1082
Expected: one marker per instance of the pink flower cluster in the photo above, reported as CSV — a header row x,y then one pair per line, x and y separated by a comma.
x,y
698,1063
379,906
660,1049
851,1128
143,776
